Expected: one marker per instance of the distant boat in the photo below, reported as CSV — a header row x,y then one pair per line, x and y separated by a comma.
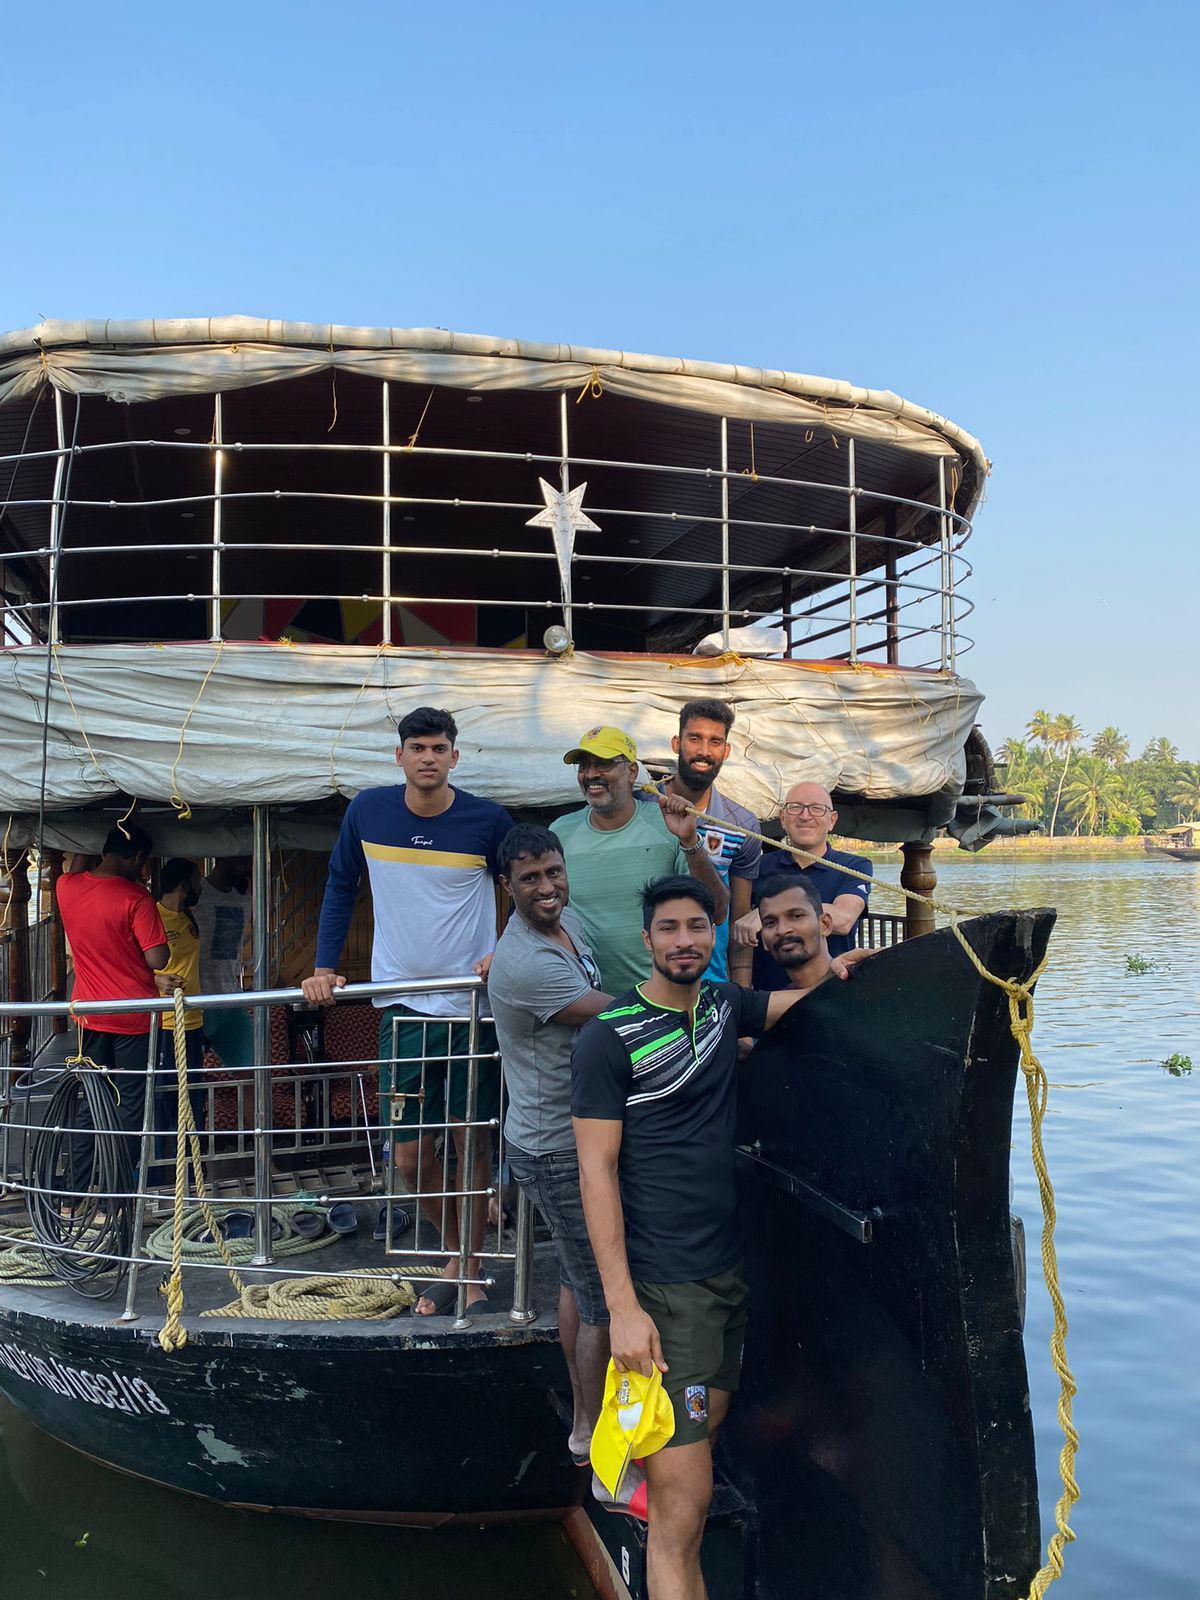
x,y
1180,843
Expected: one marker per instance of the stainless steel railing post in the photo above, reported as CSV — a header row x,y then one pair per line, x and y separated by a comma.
x,y
522,1310
263,1113
944,550
6,1072
465,1177
214,604
852,553
724,533
139,1208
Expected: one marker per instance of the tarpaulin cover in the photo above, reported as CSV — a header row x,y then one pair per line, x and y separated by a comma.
x,y
150,360
275,723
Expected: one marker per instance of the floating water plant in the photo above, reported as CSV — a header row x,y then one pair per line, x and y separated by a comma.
x,y
1136,965
1177,1065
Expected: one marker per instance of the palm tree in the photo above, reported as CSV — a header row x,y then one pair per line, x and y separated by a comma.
x,y
1187,796
1065,735
1026,774
1092,795
1041,727
1134,799
1111,745
1011,750
1161,753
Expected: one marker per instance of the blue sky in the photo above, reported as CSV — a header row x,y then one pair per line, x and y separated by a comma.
x,y
991,210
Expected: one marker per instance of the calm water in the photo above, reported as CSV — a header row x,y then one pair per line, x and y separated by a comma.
x,y
1123,1139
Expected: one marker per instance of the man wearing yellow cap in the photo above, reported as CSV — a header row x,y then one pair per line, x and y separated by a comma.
x,y
614,846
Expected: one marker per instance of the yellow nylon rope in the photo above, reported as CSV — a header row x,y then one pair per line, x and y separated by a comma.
x,y
1037,1088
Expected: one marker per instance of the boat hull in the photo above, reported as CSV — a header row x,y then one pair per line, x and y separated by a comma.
x,y
463,1427
883,1431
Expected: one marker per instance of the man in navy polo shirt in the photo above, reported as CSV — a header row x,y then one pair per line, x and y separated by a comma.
x,y
808,816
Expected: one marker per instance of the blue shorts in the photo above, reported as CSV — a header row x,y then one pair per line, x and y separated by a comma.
x,y
551,1183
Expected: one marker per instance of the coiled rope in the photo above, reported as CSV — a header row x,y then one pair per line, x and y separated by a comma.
x,y
1037,1089
324,1299
199,1247
21,1262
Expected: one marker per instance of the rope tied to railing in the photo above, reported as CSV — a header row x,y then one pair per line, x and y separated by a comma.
x,y
173,1335
1020,1020
368,1295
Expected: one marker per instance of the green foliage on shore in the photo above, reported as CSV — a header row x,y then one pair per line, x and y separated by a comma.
x,y
1074,786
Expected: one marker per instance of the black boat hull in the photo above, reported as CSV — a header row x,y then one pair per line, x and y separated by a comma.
x,y
883,1433
361,1427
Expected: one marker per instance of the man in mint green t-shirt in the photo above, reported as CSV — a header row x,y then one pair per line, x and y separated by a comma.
x,y
614,846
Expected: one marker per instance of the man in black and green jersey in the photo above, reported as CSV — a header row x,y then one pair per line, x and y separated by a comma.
x,y
653,1098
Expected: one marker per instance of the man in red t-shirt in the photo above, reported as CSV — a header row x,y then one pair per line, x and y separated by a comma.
x,y
117,942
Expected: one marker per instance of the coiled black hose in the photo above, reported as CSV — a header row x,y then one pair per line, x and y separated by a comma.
x,y
79,1181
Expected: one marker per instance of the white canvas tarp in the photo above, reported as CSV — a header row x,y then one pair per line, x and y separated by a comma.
x,y
150,360
279,723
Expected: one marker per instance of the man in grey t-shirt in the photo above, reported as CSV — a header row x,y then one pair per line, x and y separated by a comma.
x,y
543,985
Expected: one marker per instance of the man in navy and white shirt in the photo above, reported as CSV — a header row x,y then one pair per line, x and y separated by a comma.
x,y
431,852
702,746
808,816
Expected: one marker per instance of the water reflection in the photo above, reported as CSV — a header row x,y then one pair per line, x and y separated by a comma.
x,y
1123,1141
148,1543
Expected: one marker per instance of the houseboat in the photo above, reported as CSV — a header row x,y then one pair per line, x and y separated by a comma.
x,y
232,553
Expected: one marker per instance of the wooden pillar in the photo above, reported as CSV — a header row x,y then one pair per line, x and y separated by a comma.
x,y
58,942
919,875
17,926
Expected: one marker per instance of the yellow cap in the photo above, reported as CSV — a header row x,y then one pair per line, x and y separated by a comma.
x,y
604,742
636,1419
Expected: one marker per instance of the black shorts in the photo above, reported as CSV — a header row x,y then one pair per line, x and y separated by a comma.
x,y
702,1327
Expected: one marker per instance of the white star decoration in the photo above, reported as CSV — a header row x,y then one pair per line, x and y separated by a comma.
x,y
565,517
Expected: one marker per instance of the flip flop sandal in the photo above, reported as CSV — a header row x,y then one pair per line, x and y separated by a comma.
x,y
442,1292
343,1218
401,1223
307,1224
234,1225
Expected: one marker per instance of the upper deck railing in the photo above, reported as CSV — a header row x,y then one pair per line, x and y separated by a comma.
x,y
871,574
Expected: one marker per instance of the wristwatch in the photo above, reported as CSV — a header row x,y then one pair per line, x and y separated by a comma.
x,y
691,849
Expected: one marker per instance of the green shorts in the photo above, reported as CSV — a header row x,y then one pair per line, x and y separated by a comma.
x,y
702,1327
401,1066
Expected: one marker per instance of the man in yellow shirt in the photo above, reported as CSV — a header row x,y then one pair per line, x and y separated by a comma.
x,y
179,887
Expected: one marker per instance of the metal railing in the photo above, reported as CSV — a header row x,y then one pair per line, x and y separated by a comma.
x,y
467,1068
886,577
879,930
